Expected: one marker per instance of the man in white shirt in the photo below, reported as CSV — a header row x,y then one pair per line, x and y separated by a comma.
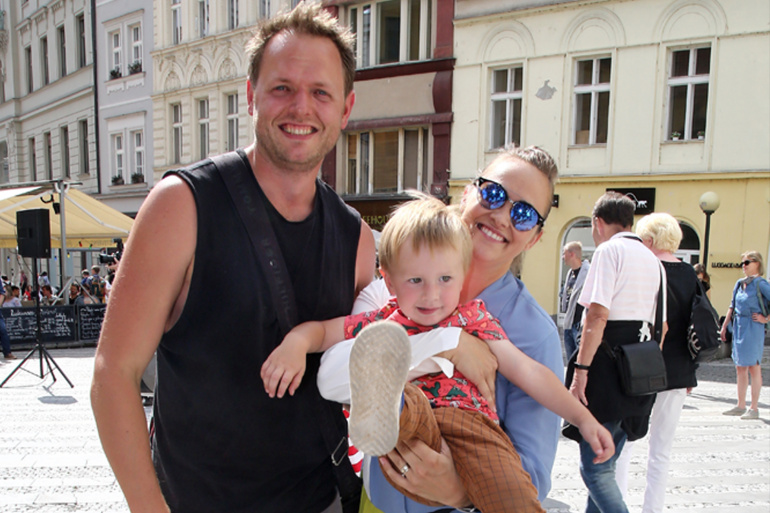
x,y
620,295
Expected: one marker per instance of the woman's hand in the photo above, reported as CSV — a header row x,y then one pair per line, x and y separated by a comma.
x,y
475,360
430,475
758,317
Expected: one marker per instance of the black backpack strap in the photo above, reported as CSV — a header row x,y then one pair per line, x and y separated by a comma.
x,y
243,188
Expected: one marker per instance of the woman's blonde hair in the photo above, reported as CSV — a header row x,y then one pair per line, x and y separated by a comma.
x,y
663,229
424,221
756,257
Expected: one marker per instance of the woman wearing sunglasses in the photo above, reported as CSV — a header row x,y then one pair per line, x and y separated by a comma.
x,y
505,208
748,323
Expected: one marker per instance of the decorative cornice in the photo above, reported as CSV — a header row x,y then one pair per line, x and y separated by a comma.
x,y
56,5
40,16
3,41
24,26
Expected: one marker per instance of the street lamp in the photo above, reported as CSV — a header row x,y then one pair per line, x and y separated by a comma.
x,y
709,203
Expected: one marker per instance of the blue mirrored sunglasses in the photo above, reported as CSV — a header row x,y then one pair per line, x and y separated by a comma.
x,y
492,196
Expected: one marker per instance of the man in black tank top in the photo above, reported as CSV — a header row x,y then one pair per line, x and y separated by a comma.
x,y
220,444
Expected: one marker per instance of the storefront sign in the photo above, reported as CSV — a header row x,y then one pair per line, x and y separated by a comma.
x,y
726,265
644,197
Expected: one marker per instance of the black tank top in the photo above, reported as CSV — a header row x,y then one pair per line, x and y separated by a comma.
x,y
220,444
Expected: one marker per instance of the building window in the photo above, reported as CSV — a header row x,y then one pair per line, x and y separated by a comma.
x,y
81,24
115,53
176,21
48,155
688,86
203,127
388,161
44,60
232,122
61,37
64,143
117,157
137,139
28,66
264,8
506,97
203,18
592,101
32,160
389,31
4,167
83,146
176,133
135,66
232,14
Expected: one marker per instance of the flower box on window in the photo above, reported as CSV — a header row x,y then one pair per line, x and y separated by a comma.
x,y
117,180
115,73
137,178
675,136
135,67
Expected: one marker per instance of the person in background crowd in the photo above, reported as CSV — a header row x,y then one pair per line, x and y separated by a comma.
x,y
620,296
47,297
86,275
5,340
75,297
748,323
217,444
12,299
703,276
570,292
662,234
97,286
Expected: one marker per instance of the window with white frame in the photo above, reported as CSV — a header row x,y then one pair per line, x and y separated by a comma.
x,y
137,149
176,133
28,65
591,106
232,14
506,103
203,18
83,146
116,51
32,159
232,122
264,8
62,39
387,161
48,147
203,128
135,63
4,166
64,144
176,21
118,157
44,60
81,25
688,85
389,31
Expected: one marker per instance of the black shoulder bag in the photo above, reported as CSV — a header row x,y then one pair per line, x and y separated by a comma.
x,y
254,217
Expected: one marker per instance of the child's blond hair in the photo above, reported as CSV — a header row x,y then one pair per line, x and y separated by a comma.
x,y
425,221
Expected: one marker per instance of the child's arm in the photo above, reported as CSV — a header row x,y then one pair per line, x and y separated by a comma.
x,y
284,368
542,385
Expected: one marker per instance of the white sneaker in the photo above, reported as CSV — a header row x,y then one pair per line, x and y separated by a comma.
x,y
379,363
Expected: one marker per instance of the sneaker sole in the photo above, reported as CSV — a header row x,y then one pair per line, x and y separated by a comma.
x,y
379,363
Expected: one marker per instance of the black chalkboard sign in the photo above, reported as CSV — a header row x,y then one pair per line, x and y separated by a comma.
x,y
90,319
57,323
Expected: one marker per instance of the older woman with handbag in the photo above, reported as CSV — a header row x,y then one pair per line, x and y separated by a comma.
x,y
661,233
748,314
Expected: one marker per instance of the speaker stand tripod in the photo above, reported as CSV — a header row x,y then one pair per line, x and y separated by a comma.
x,y
45,357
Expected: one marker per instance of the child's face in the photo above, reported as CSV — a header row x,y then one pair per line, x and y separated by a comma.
x,y
427,283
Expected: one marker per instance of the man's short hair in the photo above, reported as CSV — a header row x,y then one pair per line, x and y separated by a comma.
x,y
14,288
424,221
575,247
96,269
308,19
615,208
663,229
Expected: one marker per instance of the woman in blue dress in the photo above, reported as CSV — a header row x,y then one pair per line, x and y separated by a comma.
x,y
748,327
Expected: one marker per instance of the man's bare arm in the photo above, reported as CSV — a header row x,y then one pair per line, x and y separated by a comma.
x,y
149,293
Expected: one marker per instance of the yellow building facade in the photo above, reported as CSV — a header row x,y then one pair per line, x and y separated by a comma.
x,y
663,99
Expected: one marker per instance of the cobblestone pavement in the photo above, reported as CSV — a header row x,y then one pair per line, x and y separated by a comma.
x,y
51,459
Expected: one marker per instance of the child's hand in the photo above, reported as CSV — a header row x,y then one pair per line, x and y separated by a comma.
x,y
598,438
284,368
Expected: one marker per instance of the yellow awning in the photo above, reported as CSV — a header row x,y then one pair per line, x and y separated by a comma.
x,y
88,222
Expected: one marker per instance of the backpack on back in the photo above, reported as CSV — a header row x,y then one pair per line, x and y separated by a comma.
x,y
96,287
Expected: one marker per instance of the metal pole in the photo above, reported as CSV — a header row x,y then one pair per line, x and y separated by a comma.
x,y
63,228
706,241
